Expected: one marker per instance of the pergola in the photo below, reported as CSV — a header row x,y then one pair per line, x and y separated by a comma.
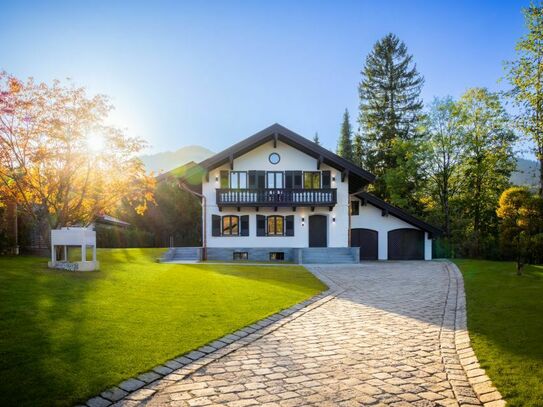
x,y
69,237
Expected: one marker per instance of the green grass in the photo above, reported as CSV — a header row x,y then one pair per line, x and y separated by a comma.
x,y
65,336
505,321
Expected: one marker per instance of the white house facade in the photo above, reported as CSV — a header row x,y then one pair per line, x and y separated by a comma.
x,y
279,196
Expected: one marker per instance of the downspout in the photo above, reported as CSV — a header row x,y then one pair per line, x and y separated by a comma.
x,y
203,203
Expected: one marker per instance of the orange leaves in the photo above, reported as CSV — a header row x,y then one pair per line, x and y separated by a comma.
x,y
45,159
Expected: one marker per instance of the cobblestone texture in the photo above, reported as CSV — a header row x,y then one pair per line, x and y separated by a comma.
x,y
390,335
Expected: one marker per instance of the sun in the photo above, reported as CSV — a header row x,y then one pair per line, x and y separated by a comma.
x,y
96,142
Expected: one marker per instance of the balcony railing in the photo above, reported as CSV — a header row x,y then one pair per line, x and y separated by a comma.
x,y
277,197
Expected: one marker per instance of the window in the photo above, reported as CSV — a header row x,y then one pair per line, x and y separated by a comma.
x,y
257,179
293,179
230,226
312,180
238,179
241,255
274,179
275,225
277,256
355,208
274,158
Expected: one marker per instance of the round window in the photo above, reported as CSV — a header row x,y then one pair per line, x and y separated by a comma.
x,y
274,158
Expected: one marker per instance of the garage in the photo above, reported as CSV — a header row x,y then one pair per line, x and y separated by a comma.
x,y
406,244
367,240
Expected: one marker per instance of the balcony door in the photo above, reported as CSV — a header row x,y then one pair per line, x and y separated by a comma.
x,y
318,231
274,180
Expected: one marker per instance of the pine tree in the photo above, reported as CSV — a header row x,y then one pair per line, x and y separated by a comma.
x,y
345,146
358,150
316,139
390,107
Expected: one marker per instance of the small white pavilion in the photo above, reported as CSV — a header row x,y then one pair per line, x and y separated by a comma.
x,y
74,237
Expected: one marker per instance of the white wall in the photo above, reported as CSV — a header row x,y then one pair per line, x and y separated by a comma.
x,y
291,159
370,218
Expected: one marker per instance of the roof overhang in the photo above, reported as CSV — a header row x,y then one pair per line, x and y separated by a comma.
x,y
387,208
357,176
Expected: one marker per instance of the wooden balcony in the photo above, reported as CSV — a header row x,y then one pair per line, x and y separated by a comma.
x,y
276,197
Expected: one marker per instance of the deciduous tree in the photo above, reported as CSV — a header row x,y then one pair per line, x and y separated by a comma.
x,y
50,160
526,77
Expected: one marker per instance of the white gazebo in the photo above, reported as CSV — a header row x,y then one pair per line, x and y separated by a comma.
x,y
74,236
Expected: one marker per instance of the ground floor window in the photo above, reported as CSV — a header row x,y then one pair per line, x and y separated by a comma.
x,y
230,226
277,255
241,255
275,225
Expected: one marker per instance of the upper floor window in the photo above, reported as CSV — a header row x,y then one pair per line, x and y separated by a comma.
x,y
274,158
230,225
238,179
274,179
312,179
355,207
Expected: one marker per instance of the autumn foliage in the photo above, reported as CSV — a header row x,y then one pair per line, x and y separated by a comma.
x,y
49,163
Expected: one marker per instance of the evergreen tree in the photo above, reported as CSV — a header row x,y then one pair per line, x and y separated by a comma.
x,y
358,150
345,146
526,76
316,139
390,109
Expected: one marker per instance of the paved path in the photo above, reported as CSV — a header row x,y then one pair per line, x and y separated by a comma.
x,y
387,338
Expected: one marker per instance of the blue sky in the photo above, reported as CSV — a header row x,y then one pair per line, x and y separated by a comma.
x,y
212,73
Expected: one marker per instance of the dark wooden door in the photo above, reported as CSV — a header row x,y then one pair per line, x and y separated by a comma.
x,y
366,239
406,244
317,231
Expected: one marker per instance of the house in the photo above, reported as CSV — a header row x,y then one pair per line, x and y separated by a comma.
x,y
278,196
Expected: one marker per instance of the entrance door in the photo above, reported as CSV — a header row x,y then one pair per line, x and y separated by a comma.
x,y
317,231
366,239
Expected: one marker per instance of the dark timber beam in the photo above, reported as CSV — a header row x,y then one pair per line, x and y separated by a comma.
x,y
319,162
275,137
384,212
207,176
344,174
293,209
312,209
231,160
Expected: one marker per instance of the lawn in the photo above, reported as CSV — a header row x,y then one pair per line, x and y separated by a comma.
x,y
505,321
65,336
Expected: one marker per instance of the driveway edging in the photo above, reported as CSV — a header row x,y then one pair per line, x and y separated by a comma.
x,y
487,394
143,386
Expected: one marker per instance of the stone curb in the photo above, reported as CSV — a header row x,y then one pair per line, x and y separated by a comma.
x,y
143,386
484,389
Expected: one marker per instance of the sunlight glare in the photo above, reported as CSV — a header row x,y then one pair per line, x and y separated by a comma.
x,y
96,142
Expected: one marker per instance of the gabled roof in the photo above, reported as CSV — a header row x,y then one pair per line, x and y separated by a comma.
x,y
276,132
366,197
178,172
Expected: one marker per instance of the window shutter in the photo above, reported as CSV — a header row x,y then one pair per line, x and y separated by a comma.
x,y
224,179
244,221
289,179
261,179
289,225
326,181
215,225
252,180
260,225
297,183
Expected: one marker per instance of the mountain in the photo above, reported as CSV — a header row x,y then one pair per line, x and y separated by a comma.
x,y
527,173
168,160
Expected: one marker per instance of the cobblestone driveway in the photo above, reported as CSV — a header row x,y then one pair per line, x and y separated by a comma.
x,y
387,338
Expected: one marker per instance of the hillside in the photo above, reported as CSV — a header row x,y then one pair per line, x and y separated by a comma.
x,y
526,174
168,160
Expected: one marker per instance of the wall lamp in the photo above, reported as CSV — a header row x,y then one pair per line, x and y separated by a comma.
x,y
303,221
334,219
216,178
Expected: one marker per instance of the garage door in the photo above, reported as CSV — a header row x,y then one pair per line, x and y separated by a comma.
x,y
406,244
366,239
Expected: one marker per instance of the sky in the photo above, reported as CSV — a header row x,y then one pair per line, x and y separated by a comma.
x,y
212,73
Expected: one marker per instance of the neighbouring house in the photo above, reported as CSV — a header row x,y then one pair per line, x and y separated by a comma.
x,y
279,196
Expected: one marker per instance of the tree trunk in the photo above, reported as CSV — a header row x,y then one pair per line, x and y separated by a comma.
x,y
541,176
